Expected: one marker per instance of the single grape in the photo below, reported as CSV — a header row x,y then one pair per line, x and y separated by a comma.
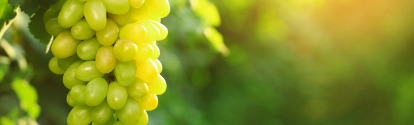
x,y
156,53
70,101
95,14
159,65
125,50
158,86
144,118
120,19
163,30
53,66
65,63
153,33
102,113
81,30
137,89
125,73
105,59
134,32
149,102
64,45
136,3
117,95
146,70
71,12
69,79
53,27
87,71
77,93
80,115
131,113
145,51
159,8
116,6
109,34
95,91
88,49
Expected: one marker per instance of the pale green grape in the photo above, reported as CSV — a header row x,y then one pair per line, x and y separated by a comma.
x,y
109,34
137,89
87,71
131,113
102,113
64,45
111,121
82,0
96,91
88,49
120,19
117,95
80,115
53,66
160,8
134,32
50,14
158,86
53,27
65,63
125,73
146,70
145,51
144,118
70,101
69,79
149,102
125,50
118,123
81,30
77,93
105,59
159,65
153,33
136,3
71,12
95,14
156,52
116,6
163,30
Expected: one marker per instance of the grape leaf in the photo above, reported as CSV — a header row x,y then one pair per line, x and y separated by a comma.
x,y
37,27
6,13
30,7
16,3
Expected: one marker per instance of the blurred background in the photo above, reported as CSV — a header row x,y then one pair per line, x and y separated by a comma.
x,y
283,62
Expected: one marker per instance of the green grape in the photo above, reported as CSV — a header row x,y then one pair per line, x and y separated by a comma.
x,y
154,18
105,59
130,113
137,89
96,91
87,71
158,86
139,14
70,101
50,14
163,30
77,93
125,50
95,14
120,19
144,118
88,49
159,8
102,113
53,28
136,3
82,0
145,51
64,45
118,123
156,52
111,121
109,34
149,102
153,33
72,12
69,79
58,6
65,63
146,70
134,32
116,6
159,65
81,30
117,95
80,115
53,66
125,73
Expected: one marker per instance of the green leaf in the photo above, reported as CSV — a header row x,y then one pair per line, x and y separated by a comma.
x,y
216,39
6,13
28,97
37,27
207,11
31,7
16,3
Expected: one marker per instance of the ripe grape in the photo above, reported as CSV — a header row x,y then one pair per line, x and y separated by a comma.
x,y
146,70
158,86
88,48
52,27
136,3
102,113
71,12
116,6
145,51
95,91
125,50
117,95
65,63
130,113
53,66
105,59
64,45
95,14
70,101
87,71
80,115
137,89
77,93
125,73
109,34
81,30
159,65
69,79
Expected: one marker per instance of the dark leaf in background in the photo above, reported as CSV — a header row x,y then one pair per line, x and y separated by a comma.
x,y
37,27
30,7
6,13
15,3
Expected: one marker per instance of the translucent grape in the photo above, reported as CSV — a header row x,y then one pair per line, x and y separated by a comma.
x,y
145,51
95,91
65,63
117,95
53,66
144,118
137,89
109,34
125,50
149,102
102,113
105,59
146,70
80,115
125,73
136,3
159,65
87,71
159,8
69,79
134,32
64,45
81,30
88,49
70,101
163,30
156,52
53,27
153,33
77,93
116,6
111,121
158,86
95,14
131,113
71,12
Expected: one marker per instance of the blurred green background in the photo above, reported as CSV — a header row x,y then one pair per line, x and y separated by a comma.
x,y
289,62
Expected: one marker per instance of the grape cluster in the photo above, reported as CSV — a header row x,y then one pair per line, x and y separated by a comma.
x,y
107,53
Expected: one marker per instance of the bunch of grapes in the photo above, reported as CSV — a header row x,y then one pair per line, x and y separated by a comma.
x,y
107,53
